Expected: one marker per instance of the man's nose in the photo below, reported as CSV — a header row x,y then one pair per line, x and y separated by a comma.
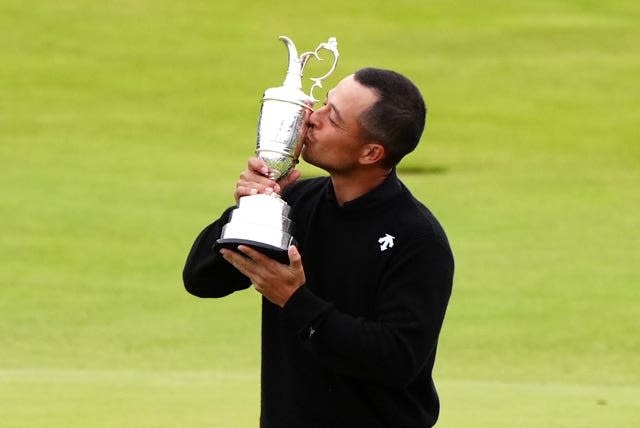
x,y
315,117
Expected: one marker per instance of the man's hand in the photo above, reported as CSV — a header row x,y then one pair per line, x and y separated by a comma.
x,y
275,281
255,179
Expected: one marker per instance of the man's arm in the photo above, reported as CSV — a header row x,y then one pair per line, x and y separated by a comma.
x,y
390,348
392,345
206,273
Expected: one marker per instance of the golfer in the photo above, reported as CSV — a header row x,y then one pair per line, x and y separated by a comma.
x,y
350,325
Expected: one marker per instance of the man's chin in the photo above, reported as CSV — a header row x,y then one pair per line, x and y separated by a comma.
x,y
306,156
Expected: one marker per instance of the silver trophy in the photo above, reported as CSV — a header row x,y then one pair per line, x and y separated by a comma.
x,y
262,221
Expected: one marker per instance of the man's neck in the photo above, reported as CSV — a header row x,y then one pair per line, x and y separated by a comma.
x,y
352,186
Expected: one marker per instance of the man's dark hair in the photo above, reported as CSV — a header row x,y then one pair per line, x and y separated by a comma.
x,y
397,119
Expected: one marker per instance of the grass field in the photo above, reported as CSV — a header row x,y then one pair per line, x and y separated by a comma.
x,y
124,125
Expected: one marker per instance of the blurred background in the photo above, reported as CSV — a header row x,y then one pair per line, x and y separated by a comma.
x,y
125,124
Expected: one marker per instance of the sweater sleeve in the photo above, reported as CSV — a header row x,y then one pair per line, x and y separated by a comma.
x,y
206,273
393,346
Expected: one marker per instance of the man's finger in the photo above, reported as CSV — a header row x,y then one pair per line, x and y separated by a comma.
x,y
239,261
255,255
258,165
295,259
293,176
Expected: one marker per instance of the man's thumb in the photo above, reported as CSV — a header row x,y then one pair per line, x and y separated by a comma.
x,y
294,256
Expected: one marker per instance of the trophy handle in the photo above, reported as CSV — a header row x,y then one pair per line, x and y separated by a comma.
x,y
330,45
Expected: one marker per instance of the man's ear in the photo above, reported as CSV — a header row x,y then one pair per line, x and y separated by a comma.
x,y
371,153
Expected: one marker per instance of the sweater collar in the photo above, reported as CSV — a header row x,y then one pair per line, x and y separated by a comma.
x,y
390,187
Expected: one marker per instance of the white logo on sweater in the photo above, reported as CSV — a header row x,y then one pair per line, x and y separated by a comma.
x,y
386,242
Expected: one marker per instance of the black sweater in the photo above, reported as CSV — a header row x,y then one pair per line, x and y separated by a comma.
x,y
354,346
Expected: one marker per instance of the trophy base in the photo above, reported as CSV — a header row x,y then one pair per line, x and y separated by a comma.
x,y
278,254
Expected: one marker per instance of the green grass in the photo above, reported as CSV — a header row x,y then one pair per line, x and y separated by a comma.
x,y
124,125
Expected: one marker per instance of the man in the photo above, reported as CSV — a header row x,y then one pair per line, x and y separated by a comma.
x,y
350,325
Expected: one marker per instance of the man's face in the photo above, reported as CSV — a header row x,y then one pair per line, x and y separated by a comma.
x,y
335,139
